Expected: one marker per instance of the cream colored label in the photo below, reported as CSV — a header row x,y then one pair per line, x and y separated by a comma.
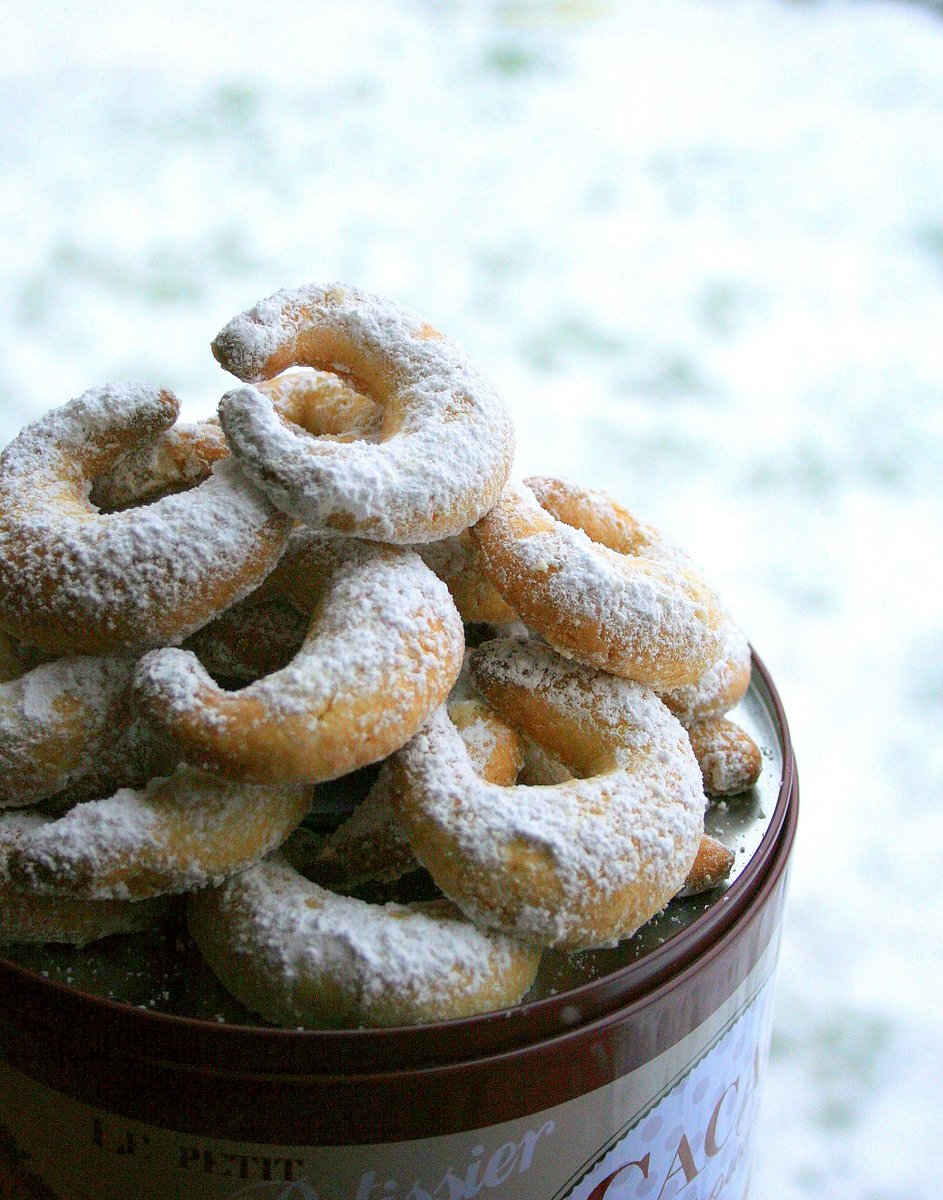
x,y
679,1125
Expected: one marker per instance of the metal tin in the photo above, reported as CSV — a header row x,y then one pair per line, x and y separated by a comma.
x,y
640,1081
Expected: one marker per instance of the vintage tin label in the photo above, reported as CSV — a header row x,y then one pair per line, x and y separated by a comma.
x,y
680,1124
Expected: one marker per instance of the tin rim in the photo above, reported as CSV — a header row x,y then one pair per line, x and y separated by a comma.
x,y
260,1049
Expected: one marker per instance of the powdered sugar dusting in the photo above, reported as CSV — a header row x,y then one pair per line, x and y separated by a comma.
x,y
721,686
102,423
58,722
729,759
80,848
25,917
178,460
370,844
448,440
650,619
16,828
637,823
73,576
178,834
457,562
385,626
375,962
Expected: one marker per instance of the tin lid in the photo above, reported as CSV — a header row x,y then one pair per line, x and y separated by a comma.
x,y
51,986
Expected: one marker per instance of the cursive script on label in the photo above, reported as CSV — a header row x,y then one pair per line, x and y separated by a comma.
x,y
483,1171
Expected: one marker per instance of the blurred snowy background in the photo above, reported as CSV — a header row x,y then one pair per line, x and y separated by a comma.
x,y
699,247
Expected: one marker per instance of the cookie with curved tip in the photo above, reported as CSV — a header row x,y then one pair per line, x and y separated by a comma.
x,y
621,600
712,864
178,834
27,918
303,956
722,686
713,860
180,459
76,580
383,625
576,864
446,443
725,681
729,760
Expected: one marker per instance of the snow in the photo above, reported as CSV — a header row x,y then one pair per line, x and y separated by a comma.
x,y
699,249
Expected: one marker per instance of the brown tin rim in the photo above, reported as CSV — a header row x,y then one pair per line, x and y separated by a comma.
x,y
261,1050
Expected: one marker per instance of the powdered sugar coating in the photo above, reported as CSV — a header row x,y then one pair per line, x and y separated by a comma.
x,y
729,759
29,918
725,681
577,864
59,722
641,617
605,521
184,832
74,579
712,861
447,441
384,648
15,828
301,955
176,461
721,686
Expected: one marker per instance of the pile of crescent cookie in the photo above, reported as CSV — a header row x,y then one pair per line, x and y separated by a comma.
x,y
200,624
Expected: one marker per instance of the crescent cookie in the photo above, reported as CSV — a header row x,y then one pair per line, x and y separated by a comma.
x,y
184,832
729,758
29,918
620,598
578,864
74,580
446,444
383,626
712,864
303,956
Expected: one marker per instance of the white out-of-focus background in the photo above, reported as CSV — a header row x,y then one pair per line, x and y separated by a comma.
x,y
699,248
